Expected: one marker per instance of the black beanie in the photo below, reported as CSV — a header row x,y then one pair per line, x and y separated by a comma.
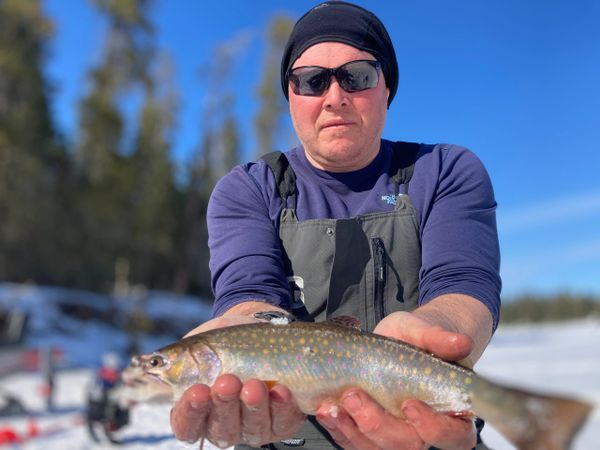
x,y
337,21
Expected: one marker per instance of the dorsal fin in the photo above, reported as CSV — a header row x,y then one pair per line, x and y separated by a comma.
x,y
346,321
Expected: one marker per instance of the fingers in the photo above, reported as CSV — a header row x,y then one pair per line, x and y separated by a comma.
x,y
286,418
409,328
190,413
361,423
440,430
446,344
224,425
232,413
256,416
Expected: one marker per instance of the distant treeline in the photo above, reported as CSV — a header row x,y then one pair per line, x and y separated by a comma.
x,y
109,203
537,308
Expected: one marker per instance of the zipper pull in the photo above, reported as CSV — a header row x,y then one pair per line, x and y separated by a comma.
x,y
380,252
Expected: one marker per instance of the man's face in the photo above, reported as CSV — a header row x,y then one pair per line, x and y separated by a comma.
x,y
340,131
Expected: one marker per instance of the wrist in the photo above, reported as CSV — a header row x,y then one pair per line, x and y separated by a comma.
x,y
251,307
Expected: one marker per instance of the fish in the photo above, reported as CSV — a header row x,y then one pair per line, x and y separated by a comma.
x,y
319,361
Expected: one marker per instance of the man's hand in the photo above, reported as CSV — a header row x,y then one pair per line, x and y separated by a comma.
x,y
232,412
360,423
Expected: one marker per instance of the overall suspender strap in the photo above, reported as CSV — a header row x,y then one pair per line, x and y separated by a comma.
x,y
404,157
285,178
403,164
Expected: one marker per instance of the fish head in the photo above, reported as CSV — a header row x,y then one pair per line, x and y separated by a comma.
x,y
173,369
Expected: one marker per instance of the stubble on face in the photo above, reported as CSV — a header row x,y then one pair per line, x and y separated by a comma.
x,y
340,131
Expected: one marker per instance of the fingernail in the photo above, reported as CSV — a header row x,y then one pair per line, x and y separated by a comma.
x,y
327,421
411,414
352,402
226,398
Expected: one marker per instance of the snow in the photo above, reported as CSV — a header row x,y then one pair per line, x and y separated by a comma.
x,y
562,358
558,357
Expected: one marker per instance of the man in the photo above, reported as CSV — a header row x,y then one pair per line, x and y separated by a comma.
x,y
401,235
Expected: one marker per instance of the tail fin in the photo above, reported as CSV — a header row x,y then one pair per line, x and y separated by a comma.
x,y
531,421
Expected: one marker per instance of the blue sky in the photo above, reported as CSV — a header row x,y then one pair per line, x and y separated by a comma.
x,y
518,82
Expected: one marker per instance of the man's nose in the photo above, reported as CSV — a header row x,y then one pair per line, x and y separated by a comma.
x,y
335,95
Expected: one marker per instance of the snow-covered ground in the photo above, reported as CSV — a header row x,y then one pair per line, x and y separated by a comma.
x,y
559,358
562,357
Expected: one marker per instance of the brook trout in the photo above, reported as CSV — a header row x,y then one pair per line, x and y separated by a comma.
x,y
319,361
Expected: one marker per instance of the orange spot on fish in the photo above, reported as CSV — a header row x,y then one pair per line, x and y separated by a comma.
x,y
270,383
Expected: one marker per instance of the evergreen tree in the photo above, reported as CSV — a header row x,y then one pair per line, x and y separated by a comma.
x,y
154,197
217,153
107,178
33,162
270,125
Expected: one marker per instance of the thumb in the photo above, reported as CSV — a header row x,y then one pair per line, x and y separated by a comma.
x,y
428,336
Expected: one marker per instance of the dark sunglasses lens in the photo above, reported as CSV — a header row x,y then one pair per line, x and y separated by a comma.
x,y
358,76
309,81
353,77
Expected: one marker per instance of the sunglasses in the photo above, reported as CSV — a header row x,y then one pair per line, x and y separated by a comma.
x,y
354,76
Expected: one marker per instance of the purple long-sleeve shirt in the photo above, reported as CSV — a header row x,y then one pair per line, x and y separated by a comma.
x,y
450,190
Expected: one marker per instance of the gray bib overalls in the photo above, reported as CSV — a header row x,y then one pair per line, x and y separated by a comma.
x,y
365,266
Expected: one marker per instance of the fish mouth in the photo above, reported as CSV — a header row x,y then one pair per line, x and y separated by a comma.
x,y
148,378
135,376
158,379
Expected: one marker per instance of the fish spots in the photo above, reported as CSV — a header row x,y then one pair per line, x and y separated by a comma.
x,y
452,375
468,380
401,357
427,370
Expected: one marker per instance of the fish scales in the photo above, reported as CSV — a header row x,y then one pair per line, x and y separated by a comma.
x,y
320,361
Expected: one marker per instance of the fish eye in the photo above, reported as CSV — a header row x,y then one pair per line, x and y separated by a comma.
x,y
156,361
